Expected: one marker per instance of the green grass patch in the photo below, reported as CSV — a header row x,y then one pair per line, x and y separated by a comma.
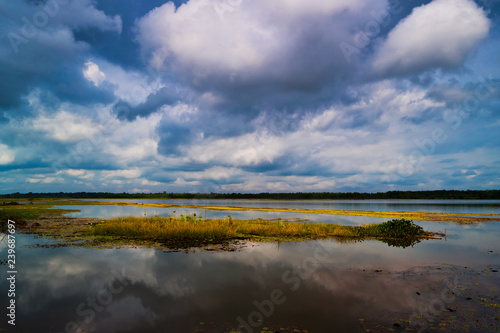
x,y
26,212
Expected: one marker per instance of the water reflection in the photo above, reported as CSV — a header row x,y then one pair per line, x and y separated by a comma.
x,y
323,283
173,292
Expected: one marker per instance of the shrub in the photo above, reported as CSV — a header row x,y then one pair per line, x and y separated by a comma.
x,y
399,229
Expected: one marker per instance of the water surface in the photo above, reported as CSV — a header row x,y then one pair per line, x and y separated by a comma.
x,y
174,292
110,211
324,286
439,206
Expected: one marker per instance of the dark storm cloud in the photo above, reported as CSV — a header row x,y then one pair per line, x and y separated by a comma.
x,y
163,97
429,115
124,50
178,131
173,138
38,50
294,166
466,101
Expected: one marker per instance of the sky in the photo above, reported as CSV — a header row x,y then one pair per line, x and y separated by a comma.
x,y
249,95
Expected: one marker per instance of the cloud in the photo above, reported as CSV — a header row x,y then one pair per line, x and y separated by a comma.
x,y
132,142
132,173
287,45
83,174
47,180
6,155
249,96
93,73
66,127
439,34
335,140
153,102
39,49
131,87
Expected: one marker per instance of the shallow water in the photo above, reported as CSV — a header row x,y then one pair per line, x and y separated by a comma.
x,y
440,206
105,212
323,286
444,206
322,283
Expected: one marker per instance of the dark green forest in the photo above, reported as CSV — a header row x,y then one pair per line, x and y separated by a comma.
x,y
440,194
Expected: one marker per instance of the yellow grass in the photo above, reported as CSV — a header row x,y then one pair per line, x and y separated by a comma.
x,y
173,230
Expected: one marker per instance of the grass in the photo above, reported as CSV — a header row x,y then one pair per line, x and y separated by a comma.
x,y
28,211
23,213
189,231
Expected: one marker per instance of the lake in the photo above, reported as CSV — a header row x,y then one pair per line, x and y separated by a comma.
x,y
320,286
444,206
441,206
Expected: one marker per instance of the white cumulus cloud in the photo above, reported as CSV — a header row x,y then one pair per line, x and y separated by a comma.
x,y
439,34
250,40
93,73
6,155
66,127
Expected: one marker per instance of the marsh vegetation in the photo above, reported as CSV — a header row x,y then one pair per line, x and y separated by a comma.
x,y
193,231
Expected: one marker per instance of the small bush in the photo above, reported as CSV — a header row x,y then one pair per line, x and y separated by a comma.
x,y
394,229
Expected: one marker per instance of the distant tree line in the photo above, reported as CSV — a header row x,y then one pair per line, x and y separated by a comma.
x,y
440,194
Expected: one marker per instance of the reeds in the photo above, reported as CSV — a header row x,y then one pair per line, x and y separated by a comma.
x,y
189,231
